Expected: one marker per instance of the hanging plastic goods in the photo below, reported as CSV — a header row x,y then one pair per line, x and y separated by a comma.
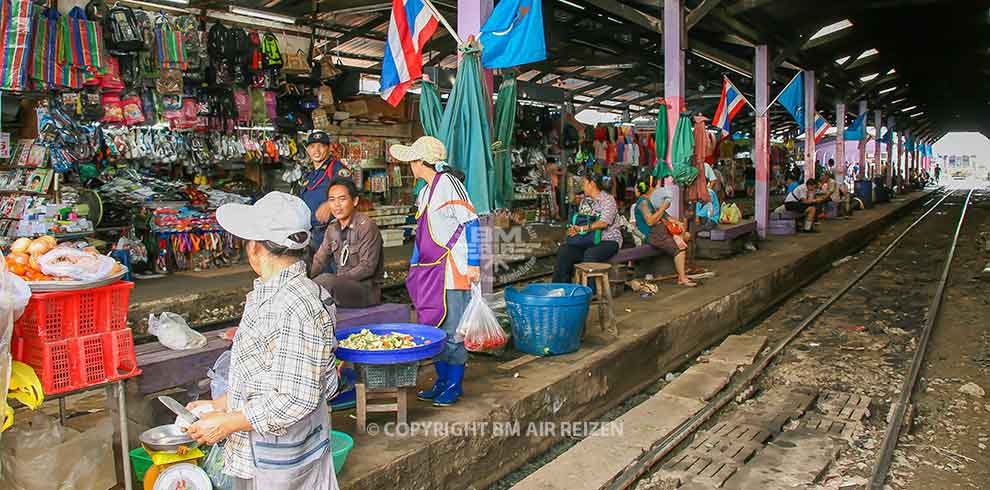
x,y
16,18
85,48
173,332
169,45
479,328
43,455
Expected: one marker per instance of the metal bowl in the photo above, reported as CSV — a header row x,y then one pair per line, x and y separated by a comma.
x,y
166,438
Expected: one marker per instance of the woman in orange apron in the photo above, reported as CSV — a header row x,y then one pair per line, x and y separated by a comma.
x,y
446,260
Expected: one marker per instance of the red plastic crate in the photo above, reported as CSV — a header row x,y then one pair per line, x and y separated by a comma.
x,y
79,362
68,314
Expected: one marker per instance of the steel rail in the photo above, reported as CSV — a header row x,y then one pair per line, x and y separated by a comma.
x,y
886,454
650,458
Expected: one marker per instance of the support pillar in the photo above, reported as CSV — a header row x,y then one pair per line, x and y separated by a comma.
x,y
761,80
840,145
889,174
901,161
878,124
861,175
471,15
673,81
809,124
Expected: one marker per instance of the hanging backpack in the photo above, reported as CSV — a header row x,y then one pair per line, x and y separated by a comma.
x,y
124,33
255,58
92,104
192,41
242,101
218,73
270,51
149,102
259,111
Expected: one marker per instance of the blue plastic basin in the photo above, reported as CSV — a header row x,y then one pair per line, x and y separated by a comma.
x,y
430,339
544,325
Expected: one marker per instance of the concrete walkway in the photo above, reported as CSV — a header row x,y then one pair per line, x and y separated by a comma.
x,y
458,448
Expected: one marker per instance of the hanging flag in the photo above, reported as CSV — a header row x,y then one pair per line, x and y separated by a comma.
x,y
513,34
792,98
731,103
857,130
821,127
411,25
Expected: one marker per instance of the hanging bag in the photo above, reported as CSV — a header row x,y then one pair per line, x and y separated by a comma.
x,y
85,42
259,111
479,327
170,82
124,31
271,52
242,100
113,109
110,80
42,63
16,17
325,97
296,64
169,47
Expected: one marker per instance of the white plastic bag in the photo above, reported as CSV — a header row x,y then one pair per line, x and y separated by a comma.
x,y
478,327
173,332
20,293
46,456
76,264
213,466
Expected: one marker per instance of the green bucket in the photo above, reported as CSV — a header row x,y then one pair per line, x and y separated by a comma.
x,y
341,444
141,462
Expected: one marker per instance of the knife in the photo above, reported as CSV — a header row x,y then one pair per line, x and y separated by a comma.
x,y
177,408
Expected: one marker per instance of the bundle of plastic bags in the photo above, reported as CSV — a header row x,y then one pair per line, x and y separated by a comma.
x,y
478,327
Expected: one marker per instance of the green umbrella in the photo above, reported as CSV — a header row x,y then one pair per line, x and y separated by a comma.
x,y
682,152
662,170
430,109
505,122
465,132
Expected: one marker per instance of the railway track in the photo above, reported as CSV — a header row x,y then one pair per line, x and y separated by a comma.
x,y
743,383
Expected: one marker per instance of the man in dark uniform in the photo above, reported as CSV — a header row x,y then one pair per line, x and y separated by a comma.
x,y
317,183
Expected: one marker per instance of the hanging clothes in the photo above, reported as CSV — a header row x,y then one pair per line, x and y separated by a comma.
x,y
698,190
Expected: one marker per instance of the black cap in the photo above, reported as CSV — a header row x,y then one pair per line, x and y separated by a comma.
x,y
318,137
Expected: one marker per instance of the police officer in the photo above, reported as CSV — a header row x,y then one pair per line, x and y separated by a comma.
x,y
317,183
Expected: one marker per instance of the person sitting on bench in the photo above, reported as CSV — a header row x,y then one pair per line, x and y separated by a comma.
x,y
594,234
353,245
708,213
803,200
649,215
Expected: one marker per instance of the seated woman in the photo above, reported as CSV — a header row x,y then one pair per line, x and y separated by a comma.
x,y
595,239
649,214
708,213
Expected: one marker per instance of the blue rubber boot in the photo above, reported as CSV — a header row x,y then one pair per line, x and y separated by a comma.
x,y
439,385
455,374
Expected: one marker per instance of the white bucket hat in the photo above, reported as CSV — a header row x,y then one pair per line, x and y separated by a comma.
x,y
426,148
273,218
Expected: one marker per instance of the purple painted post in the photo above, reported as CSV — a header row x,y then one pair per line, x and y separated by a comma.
x,y
890,153
761,80
840,144
673,81
862,143
471,15
809,124
901,161
878,124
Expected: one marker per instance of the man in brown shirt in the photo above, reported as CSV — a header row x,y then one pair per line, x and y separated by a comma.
x,y
354,245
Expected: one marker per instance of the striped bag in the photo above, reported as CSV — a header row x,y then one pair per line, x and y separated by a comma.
x,y
15,20
85,42
169,46
42,64
65,74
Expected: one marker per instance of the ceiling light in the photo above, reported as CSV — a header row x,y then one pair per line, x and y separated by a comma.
x,y
842,60
909,108
867,54
916,114
258,14
867,78
571,4
892,71
898,101
829,29
891,89
139,3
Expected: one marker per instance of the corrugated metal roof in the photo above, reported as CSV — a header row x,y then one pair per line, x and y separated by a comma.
x,y
362,46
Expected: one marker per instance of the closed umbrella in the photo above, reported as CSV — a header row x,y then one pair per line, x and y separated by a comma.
x,y
682,152
505,122
466,133
698,190
662,170
430,109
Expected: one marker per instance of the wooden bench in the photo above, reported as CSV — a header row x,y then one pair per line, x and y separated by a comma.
x,y
163,368
645,259
724,241
783,222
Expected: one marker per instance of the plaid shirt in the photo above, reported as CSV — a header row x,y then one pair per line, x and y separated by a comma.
x,y
282,363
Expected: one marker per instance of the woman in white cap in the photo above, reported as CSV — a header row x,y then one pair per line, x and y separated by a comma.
x,y
445,262
274,416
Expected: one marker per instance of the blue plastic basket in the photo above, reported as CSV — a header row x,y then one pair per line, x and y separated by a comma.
x,y
544,325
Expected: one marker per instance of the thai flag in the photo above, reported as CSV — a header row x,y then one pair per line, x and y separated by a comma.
x,y
411,25
821,127
731,103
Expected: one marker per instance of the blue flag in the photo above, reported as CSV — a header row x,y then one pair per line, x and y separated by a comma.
x,y
513,34
857,130
792,98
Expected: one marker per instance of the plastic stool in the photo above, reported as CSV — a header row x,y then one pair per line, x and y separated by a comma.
x,y
598,274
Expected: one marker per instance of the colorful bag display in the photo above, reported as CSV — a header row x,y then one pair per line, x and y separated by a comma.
x,y
42,63
113,109
242,100
16,17
84,47
133,110
110,80
169,46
